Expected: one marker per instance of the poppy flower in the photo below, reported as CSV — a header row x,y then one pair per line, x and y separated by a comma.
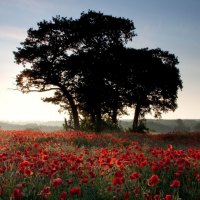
x,y
84,180
63,195
168,197
75,190
118,180
153,180
156,197
175,183
135,176
126,195
45,191
17,194
57,182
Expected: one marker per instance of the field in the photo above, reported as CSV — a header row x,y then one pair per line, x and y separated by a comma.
x,y
88,166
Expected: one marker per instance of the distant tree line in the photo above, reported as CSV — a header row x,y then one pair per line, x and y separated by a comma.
x,y
94,74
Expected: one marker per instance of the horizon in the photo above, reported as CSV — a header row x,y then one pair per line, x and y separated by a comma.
x,y
124,119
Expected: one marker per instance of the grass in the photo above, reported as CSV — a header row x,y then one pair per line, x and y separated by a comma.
x,y
77,165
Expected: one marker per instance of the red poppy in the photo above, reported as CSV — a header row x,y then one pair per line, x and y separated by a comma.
x,y
154,168
135,176
75,190
57,182
28,172
175,183
84,180
168,197
153,180
45,191
17,194
126,195
169,147
156,197
63,195
118,180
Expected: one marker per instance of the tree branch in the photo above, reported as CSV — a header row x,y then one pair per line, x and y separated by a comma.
x,y
44,90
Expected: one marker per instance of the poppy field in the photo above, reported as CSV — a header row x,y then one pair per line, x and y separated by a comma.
x,y
89,166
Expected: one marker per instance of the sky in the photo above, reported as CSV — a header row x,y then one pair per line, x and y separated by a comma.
x,y
172,25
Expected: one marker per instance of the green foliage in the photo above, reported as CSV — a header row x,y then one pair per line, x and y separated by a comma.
x,y
105,125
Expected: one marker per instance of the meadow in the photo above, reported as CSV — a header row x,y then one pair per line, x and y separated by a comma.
x,y
89,166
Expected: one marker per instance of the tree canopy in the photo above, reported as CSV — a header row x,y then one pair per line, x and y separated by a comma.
x,y
93,73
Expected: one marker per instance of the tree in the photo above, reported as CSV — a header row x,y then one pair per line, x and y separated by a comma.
x,y
99,93
51,56
93,74
152,82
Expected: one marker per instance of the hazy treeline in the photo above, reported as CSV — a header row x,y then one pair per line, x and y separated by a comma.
x,y
34,126
161,125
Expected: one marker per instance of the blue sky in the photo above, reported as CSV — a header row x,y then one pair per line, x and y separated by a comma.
x,y
172,25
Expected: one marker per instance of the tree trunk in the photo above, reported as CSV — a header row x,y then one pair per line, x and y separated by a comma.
x,y
114,116
136,116
75,116
98,125
73,108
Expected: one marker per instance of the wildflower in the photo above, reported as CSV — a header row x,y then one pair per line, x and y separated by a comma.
x,y
35,144
24,163
84,180
119,174
175,183
135,176
28,172
168,197
153,180
126,195
63,195
45,157
57,182
154,168
118,180
148,196
169,147
92,175
156,197
75,190
17,194
45,191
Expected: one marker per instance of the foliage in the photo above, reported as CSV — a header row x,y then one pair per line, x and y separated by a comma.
x,y
52,57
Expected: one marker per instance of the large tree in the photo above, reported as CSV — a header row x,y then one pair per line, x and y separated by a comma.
x,y
51,55
92,72
153,81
